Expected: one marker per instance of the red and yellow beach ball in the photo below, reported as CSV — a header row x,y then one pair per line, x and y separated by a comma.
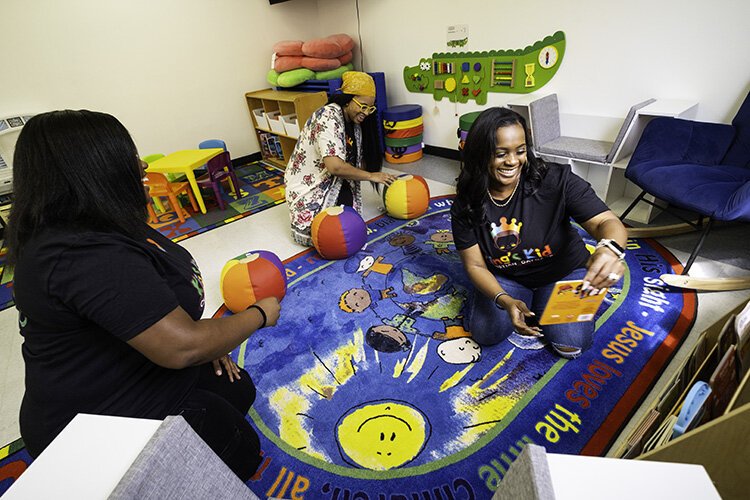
x,y
250,277
407,197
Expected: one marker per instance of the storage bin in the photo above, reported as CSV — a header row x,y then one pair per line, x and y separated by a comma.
x,y
260,119
291,125
274,122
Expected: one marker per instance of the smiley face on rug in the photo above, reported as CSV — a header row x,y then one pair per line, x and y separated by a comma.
x,y
383,435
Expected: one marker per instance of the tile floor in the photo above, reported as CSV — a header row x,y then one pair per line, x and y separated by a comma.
x,y
725,254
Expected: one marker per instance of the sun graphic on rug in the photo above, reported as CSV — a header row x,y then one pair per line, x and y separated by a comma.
x,y
383,435
353,394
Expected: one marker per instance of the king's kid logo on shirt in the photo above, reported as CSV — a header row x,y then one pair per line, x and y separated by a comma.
x,y
507,239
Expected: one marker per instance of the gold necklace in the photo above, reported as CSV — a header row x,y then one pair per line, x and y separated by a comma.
x,y
507,199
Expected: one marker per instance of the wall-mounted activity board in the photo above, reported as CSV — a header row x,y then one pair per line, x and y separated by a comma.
x,y
461,76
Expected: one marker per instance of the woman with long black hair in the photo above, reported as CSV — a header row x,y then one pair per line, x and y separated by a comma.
x,y
337,148
110,310
511,225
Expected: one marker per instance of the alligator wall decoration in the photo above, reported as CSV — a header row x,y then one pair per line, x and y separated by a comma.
x,y
461,76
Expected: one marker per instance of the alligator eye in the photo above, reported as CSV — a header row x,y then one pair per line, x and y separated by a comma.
x,y
424,65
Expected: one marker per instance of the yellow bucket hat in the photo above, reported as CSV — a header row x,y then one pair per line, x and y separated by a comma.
x,y
358,83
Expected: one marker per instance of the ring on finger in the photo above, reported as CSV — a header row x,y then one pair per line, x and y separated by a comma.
x,y
613,276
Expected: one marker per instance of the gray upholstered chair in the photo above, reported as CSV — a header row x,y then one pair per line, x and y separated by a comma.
x,y
177,463
544,117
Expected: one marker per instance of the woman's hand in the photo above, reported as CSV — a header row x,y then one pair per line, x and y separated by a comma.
x,y
233,371
382,178
518,312
604,269
272,308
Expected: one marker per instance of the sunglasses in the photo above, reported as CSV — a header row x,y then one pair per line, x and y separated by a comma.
x,y
364,108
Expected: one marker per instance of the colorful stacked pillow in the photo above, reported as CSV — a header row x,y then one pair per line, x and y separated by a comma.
x,y
301,75
465,122
403,133
295,61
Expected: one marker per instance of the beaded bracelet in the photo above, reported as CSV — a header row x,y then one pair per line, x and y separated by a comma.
x,y
262,313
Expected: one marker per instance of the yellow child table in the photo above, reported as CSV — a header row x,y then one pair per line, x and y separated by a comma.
x,y
185,162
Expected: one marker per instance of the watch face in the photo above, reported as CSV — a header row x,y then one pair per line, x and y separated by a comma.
x,y
548,57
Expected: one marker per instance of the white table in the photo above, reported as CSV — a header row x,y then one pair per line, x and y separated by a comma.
x,y
582,478
537,474
678,108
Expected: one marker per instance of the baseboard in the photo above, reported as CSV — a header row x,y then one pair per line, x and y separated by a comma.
x,y
244,160
451,154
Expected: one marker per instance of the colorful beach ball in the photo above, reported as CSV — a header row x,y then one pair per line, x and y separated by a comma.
x,y
338,232
250,277
407,197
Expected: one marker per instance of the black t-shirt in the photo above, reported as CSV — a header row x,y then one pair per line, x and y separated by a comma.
x,y
80,297
531,240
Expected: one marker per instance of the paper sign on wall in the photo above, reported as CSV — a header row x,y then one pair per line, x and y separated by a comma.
x,y
458,35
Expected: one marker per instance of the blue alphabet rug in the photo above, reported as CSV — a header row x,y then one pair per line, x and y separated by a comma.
x,y
369,387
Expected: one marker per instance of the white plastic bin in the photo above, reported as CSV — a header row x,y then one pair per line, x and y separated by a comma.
x,y
274,121
290,125
260,119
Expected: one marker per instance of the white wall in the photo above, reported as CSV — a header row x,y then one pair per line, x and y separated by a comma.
x,y
617,53
173,71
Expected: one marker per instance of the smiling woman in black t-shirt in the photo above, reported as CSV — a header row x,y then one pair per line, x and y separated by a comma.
x,y
110,310
511,225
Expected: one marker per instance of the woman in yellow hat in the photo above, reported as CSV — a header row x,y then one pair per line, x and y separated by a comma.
x,y
337,148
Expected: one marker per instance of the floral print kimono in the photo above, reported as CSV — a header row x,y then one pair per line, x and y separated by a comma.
x,y
310,188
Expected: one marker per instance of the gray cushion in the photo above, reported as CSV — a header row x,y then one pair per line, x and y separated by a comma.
x,y
177,464
528,478
544,115
624,128
578,148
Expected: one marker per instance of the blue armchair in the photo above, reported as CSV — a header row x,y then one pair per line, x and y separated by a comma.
x,y
697,166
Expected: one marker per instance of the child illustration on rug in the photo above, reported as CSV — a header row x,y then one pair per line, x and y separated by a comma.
x,y
441,241
392,334
359,299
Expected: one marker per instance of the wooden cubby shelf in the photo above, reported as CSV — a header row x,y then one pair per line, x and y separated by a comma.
x,y
267,107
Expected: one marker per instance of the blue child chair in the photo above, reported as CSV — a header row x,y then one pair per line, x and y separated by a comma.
x,y
212,143
209,144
